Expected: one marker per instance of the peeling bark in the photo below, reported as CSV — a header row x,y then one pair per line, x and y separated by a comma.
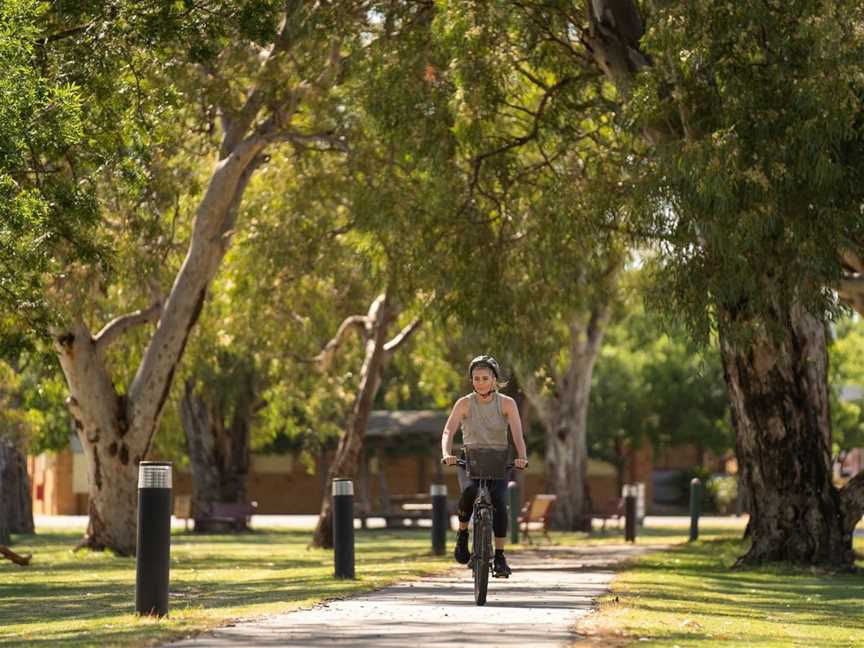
x,y
779,394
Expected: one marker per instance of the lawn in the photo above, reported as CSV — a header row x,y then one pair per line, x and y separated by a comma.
x,y
86,598
689,596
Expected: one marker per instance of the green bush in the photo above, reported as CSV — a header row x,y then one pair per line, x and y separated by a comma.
x,y
722,491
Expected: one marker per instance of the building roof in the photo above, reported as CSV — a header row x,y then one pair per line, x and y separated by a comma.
x,y
395,423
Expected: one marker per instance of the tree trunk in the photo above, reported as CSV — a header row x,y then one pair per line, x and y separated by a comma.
x,y
564,416
347,457
116,430
16,511
16,507
779,397
218,455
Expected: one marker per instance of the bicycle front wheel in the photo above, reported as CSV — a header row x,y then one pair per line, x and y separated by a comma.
x,y
482,555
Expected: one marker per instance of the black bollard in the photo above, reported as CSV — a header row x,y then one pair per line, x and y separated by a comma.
x,y
515,505
343,528
440,519
695,507
630,513
154,538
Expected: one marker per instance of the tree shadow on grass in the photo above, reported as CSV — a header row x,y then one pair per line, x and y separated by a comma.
x,y
711,588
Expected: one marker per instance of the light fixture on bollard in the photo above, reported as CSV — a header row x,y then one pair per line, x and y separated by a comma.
x,y
343,528
154,538
440,519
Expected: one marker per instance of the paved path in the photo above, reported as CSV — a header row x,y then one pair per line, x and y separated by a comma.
x,y
549,591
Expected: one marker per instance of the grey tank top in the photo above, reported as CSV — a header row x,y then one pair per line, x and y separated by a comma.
x,y
485,424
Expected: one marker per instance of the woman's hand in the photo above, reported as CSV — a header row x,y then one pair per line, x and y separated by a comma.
x,y
521,464
450,460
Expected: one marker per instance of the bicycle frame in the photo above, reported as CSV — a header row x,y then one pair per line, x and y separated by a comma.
x,y
482,538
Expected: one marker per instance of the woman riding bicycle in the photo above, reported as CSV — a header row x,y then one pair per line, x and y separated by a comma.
x,y
484,416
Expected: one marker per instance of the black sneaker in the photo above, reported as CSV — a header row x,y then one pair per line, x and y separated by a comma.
x,y
461,552
500,568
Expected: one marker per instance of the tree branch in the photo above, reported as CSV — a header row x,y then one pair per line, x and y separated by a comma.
x,y
119,325
403,336
325,358
240,122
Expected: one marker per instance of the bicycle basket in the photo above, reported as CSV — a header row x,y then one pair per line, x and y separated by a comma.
x,y
486,463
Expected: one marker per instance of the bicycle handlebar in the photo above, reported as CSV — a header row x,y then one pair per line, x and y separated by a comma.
x,y
464,464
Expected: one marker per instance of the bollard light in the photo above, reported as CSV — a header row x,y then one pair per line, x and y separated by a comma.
x,y
440,519
154,538
515,505
629,513
343,528
695,507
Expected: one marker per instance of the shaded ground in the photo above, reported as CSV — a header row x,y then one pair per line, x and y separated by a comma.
x,y
551,588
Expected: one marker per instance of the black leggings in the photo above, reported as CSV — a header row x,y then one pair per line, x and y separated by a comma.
x,y
498,493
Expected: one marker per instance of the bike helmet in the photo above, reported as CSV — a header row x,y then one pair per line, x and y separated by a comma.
x,y
484,361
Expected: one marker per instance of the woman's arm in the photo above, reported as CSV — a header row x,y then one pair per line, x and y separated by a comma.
x,y
450,428
511,411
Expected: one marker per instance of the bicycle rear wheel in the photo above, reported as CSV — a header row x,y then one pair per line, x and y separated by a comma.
x,y
482,555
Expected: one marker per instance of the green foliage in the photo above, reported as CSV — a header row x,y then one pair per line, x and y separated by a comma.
x,y
846,371
32,408
652,386
46,214
757,193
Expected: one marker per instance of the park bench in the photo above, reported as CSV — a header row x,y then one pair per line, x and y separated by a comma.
x,y
399,510
219,516
536,515
611,508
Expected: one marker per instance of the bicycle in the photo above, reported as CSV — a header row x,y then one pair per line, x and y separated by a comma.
x,y
483,464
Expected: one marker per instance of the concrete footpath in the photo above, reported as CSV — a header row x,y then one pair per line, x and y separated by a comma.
x,y
550,589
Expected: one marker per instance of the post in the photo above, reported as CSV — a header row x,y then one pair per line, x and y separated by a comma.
x,y
343,528
629,513
440,519
515,505
695,507
154,538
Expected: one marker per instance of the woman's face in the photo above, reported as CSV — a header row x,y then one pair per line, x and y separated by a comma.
x,y
483,380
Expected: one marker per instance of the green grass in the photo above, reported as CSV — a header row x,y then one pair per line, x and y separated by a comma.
x,y
689,596
87,598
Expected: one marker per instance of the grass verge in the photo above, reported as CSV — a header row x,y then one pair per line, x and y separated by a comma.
x,y
86,598
689,597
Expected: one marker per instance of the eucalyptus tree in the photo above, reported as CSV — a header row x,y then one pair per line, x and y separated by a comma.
x,y
542,155
752,185
290,275
47,217
237,80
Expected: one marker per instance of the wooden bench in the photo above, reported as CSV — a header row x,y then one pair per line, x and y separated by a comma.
x,y
220,516
536,514
402,510
611,508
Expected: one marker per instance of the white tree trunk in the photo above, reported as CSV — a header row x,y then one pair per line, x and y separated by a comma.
x,y
564,415
116,430
378,354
